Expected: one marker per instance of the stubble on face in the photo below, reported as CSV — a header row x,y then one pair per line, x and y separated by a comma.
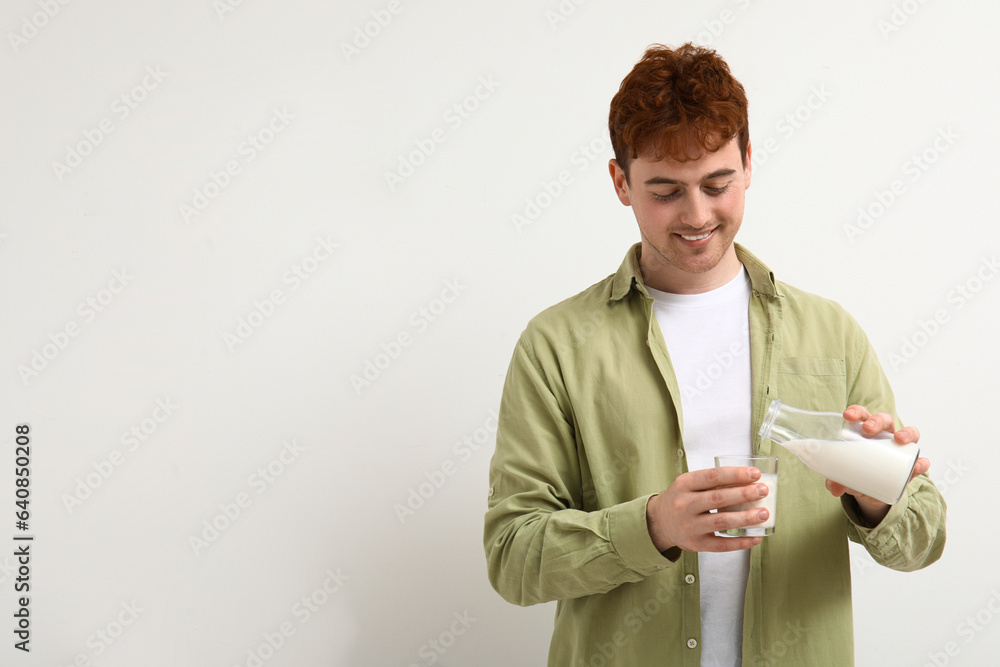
x,y
688,215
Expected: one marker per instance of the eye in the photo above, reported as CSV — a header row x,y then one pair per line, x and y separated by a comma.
x,y
668,197
717,191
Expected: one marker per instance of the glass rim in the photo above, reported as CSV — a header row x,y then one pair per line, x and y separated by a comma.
x,y
741,457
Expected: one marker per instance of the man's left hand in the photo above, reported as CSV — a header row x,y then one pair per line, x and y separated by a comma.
x,y
874,510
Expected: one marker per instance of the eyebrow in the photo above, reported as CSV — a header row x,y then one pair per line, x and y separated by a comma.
x,y
659,180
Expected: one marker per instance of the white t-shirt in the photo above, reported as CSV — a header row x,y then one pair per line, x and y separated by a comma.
x,y
708,339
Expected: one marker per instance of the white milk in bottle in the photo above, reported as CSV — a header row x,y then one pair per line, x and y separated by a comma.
x,y
836,449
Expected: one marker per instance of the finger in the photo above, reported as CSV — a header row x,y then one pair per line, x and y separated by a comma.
x,y
722,521
907,435
719,544
856,413
721,498
878,423
713,478
839,490
920,467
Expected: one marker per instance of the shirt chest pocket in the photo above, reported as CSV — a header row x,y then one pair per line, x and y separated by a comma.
x,y
813,384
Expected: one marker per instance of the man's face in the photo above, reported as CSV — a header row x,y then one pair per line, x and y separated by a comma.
x,y
688,215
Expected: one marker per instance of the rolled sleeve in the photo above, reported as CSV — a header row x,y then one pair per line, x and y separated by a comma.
x,y
911,536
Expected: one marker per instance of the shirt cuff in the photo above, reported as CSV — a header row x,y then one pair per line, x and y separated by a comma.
x,y
881,536
631,541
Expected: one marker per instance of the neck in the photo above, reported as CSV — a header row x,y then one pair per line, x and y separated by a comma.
x,y
666,277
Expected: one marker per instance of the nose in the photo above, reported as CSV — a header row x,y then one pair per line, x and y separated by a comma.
x,y
698,211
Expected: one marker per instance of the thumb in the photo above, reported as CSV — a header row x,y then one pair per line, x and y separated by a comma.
x,y
836,489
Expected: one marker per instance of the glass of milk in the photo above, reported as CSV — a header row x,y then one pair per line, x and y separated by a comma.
x,y
768,466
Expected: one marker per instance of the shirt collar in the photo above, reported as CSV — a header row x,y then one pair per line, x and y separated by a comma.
x,y
629,275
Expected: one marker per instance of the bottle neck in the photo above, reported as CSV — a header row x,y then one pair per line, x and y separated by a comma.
x,y
776,426
767,428
783,423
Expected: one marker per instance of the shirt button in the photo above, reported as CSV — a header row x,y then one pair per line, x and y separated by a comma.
x,y
692,643
689,578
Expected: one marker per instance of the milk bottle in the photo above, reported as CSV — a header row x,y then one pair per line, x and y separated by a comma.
x,y
835,448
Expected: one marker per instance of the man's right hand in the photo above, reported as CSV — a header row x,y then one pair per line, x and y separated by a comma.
x,y
680,516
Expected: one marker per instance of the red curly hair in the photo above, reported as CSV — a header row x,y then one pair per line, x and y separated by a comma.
x,y
675,102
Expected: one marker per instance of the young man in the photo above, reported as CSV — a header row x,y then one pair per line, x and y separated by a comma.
x,y
618,399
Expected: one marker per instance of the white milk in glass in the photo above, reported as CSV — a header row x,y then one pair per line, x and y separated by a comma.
x,y
769,502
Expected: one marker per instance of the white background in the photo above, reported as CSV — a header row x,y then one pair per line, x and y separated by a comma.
x,y
847,93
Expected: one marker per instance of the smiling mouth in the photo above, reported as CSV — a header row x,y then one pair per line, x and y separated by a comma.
x,y
696,238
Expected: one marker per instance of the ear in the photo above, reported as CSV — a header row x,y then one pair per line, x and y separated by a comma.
x,y
747,169
620,182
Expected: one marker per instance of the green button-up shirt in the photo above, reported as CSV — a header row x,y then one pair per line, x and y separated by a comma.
x,y
590,427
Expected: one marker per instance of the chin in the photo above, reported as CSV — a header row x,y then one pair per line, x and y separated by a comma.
x,y
700,267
